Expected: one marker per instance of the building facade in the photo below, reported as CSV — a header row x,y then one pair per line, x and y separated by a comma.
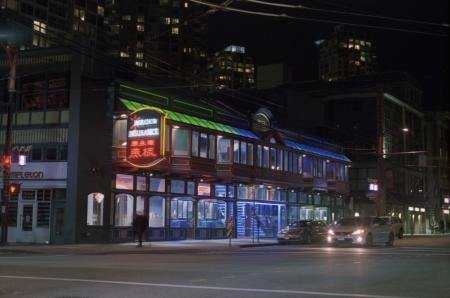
x,y
232,68
101,151
346,53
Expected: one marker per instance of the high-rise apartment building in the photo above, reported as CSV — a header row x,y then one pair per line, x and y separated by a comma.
x,y
57,22
345,54
158,35
232,68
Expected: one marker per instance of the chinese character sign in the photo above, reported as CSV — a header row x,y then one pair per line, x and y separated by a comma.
x,y
145,137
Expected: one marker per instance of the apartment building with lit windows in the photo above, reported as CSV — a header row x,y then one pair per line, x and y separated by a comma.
x,y
346,53
232,68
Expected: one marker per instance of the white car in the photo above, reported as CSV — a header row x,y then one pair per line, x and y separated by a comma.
x,y
362,231
397,225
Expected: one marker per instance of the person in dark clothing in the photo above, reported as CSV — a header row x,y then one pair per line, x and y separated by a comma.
x,y
140,223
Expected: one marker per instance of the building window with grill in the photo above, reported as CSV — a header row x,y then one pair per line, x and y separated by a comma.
x,y
307,163
223,150
180,141
140,28
123,212
95,209
203,145
175,30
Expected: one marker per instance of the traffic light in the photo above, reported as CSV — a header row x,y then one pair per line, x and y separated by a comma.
x,y
6,162
14,188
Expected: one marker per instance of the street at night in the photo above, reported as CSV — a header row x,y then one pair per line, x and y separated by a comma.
x,y
414,267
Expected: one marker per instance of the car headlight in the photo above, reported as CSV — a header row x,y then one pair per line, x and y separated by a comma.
x,y
358,232
330,232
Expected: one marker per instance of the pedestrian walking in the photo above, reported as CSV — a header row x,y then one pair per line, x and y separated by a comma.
x,y
140,223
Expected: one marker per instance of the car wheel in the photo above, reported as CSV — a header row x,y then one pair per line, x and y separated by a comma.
x,y
369,240
400,234
391,239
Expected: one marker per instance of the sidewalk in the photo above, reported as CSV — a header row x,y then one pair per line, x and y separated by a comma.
x,y
159,247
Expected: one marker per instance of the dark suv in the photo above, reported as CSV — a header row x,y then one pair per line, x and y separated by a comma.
x,y
305,231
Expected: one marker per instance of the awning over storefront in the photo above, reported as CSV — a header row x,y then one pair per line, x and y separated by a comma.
x,y
195,121
316,151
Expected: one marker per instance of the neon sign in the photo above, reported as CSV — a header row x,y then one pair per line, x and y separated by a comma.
x,y
145,137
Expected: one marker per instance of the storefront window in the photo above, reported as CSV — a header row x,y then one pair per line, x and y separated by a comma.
x,y
231,192
203,145
124,182
204,189
250,154
223,150
317,199
294,163
220,190
303,198
211,214
259,156
292,197
95,209
243,153
330,170
265,157
140,205
156,212
319,167
236,151
261,193
300,164
307,213
339,171
245,192
180,141
307,166
141,183
157,184
194,143
269,218
212,146
191,188
123,216
321,214
181,212
280,160
177,186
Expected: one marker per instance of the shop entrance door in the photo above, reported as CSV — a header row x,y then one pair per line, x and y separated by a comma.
x,y
26,222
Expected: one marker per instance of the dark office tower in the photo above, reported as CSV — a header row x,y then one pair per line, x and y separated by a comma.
x,y
57,22
159,35
232,68
345,54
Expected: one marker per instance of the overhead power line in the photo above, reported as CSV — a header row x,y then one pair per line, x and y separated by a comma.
x,y
318,20
299,6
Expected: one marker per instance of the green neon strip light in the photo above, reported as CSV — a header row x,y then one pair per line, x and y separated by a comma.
x,y
192,120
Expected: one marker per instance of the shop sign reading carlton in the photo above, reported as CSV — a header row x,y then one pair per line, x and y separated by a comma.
x,y
145,137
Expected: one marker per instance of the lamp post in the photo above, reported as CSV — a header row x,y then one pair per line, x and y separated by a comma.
x,y
11,53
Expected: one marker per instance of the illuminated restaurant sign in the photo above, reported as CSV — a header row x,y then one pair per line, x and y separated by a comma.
x,y
145,137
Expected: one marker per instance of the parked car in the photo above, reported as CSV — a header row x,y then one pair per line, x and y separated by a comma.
x,y
305,231
362,231
397,225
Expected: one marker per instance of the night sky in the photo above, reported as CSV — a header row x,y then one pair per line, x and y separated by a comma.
x,y
272,40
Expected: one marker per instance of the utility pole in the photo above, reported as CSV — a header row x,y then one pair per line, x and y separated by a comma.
x,y
381,194
11,53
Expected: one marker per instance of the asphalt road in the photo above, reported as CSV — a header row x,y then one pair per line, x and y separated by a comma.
x,y
412,268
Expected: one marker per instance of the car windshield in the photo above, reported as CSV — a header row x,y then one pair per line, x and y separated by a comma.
x,y
354,221
298,224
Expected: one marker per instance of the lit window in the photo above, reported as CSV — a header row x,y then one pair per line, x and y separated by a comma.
x,y
124,55
40,27
223,149
186,4
167,21
139,55
140,28
123,216
139,63
95,209
175,31
101,10
175,21
180,141
126,18
357,47
140,19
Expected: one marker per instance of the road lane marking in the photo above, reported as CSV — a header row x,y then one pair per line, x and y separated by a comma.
x,y
165,285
